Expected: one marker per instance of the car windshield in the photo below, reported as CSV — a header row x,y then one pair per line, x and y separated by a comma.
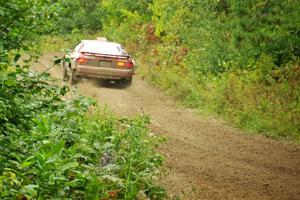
x,y
102,47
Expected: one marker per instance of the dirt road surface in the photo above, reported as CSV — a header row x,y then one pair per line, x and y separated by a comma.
x,y
205,158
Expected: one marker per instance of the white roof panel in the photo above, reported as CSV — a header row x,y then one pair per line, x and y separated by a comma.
x,y
102,47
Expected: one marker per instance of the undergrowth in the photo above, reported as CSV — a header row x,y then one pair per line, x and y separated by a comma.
x,y
56,144
271,108
57,42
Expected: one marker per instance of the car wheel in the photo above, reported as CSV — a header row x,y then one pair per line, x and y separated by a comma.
x,y
129,81
65,71
72,77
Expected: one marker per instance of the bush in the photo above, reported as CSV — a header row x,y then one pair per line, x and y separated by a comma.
x,y
59,145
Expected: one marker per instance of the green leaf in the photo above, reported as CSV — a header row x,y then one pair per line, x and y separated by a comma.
x,y
17,57
27,162
68,60
2,12
10,82
51,161
58,147
68,166
14,6
31,189
74,183
57,61
64,90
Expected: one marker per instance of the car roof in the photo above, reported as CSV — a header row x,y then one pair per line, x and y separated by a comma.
x,y
102,47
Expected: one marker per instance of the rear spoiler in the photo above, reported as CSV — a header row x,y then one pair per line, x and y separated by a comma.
x,y
106,55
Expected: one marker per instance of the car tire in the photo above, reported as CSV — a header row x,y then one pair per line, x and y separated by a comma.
x,y
129,80
65,71
72,77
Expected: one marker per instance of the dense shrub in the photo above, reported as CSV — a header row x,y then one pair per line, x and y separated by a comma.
x,y
77,15
55,145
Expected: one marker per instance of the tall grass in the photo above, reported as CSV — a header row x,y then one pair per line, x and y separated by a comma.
x,y
272,109
57,42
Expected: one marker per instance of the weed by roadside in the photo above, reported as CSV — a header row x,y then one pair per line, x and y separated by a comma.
x,y
53,147
239,97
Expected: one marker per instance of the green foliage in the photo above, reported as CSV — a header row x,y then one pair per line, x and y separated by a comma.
x,y
21,22
57,146
241,97
57,42
128,16
236,59
54,143
78,15
222,35
267,27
